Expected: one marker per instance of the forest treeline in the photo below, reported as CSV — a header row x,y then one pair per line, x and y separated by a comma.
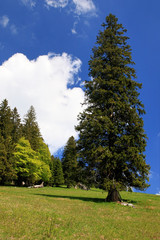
x,y
25,158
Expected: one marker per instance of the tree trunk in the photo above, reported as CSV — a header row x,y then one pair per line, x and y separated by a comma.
x,y
113,196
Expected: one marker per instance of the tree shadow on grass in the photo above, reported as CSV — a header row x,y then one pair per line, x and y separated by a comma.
x,y
96,200
86,199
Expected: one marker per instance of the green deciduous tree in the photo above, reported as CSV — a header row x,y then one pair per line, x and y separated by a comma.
x,y
44,153
111,135
69,162
44,156
27,164
29,167
45,172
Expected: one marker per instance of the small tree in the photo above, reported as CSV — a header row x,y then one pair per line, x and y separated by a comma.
x,y
111,135
69,162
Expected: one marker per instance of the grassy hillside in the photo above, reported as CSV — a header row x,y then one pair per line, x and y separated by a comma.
x,y
60,213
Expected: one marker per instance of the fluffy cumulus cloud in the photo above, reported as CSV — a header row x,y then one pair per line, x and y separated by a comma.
x,y
4,20
43,82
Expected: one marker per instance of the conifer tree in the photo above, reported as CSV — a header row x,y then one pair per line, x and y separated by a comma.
x,y
112,140
17,126
31,129
3,163
6,125
6,128
69,162
57,172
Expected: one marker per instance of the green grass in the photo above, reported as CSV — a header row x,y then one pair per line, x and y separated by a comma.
x,y
60,213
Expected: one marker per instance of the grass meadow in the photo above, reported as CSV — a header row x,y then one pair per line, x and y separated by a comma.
x,y
61,213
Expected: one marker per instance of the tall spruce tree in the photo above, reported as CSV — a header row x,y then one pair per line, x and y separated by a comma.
x,y
111,135
69,162
31,129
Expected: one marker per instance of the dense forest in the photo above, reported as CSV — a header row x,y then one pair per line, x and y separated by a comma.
x,y
25,158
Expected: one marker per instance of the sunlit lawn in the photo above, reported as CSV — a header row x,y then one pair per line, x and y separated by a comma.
x,y
61,213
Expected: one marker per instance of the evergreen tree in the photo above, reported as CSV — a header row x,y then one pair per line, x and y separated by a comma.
x,y
57,172
17,126
69,162
6,128
51,165
111,135
31,129
6,125
3,163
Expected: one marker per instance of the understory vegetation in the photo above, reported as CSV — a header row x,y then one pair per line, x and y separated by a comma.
x,y
62,213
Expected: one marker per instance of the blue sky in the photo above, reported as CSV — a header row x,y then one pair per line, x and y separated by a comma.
x,y
45,46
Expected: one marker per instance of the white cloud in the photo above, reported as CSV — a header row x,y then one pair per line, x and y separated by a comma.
x,y
29,3
57,3
13,29
42,83
81,6
84,6
4,20
73,30
158,194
